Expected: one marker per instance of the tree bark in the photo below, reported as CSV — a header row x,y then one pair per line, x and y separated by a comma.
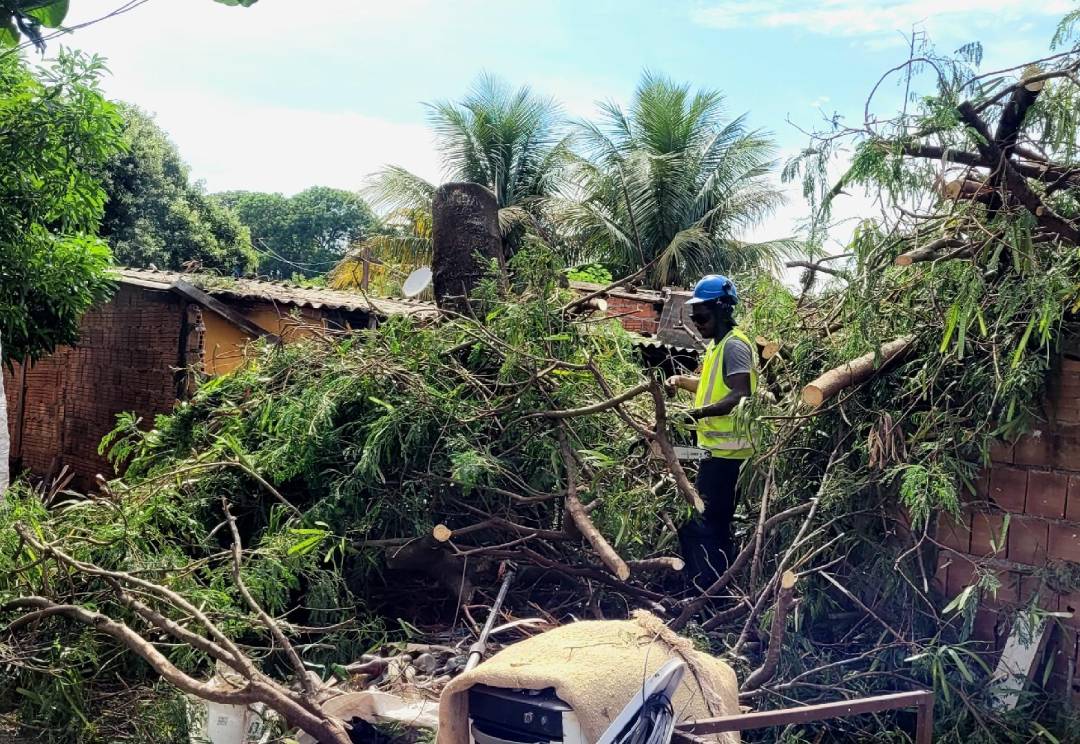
x,y
465,233
5,435
853,372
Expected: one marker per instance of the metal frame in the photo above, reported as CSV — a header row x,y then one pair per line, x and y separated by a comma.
x,y
921,700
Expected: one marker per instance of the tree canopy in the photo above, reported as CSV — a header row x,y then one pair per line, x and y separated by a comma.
x,y
57,132
155,215
671,184
302,234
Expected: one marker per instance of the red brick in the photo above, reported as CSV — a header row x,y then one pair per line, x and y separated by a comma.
x,y
1008,487
1028,541
1046,491
1065,542
1066,452
1072,500
961,574
1070,366
1029,585
1001,451
986,528
955,533
1035,448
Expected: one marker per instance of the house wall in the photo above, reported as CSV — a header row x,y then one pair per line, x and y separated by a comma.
x,y
62,406
1036,482
225,343
127,359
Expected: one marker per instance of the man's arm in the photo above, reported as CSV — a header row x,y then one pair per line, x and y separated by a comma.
x,y
684,382
740,388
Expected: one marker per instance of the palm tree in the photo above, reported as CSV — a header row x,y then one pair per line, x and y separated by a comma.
x,y
512,141
670,185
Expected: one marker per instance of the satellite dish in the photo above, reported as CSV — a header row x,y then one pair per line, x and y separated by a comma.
x,y
417,282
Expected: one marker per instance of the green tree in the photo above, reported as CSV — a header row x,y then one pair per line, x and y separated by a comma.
x,y
56,132
671,184
156,216
512,141
303,234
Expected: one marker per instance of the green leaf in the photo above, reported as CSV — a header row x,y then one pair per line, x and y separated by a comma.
x,y
9,34
50,15
950,325
1022,346
306,545
964,671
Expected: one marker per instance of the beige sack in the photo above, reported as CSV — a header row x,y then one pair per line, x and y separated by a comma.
x,y
596,667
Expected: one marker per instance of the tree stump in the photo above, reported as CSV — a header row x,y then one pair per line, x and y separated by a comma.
x,y
465,232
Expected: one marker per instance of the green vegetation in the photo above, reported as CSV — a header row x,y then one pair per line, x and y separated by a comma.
x,y
338,453
305,234
56,132
156,216
671,184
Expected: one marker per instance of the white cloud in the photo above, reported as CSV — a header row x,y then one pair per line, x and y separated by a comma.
x,y
171,57
867,17
238,146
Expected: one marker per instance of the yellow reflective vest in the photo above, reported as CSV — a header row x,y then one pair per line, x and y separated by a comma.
x,y
718,434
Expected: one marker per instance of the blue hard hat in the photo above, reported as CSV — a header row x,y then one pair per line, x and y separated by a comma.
x,y
714,288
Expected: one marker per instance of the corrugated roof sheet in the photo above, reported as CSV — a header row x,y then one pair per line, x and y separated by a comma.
x,y
284,293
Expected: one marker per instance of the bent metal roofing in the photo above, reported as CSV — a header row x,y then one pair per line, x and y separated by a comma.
x,y
284,293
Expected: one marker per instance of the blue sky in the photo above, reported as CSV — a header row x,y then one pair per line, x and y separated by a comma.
x,y
275,98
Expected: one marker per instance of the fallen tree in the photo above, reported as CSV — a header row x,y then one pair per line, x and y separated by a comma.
x,y
391,473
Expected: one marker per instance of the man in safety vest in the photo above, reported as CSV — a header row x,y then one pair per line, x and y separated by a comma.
x,y
728,374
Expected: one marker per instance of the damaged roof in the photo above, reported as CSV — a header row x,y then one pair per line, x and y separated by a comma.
x,y
285,293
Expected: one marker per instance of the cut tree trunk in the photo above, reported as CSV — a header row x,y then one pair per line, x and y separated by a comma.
x,y
465,233
5,436
854,372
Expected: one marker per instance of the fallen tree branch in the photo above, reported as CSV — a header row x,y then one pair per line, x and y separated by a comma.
x,y
692,606
661,563
856,371
596,407
268,622
784,603
1014,181
584,525
815,267
686,488
1039,172
928,252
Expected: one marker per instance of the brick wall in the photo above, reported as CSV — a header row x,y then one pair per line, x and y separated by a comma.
x,y
61,406
1036,481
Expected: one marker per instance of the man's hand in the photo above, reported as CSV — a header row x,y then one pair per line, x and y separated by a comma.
x,y
671,385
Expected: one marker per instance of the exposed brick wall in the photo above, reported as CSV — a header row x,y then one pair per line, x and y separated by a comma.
x,y
636,315
1036,481
124,361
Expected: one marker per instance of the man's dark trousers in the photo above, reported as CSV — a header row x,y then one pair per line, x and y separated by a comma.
x,y
707,541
